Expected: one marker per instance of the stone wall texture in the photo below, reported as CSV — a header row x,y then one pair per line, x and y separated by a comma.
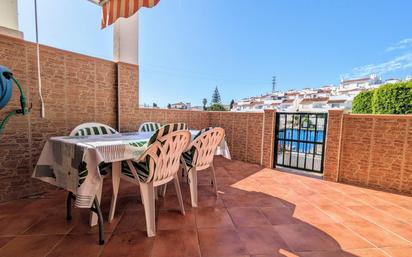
x,y
370,150
367,150
77,89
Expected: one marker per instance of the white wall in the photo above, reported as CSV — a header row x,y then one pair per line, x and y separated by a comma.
x,y
8,14
126,40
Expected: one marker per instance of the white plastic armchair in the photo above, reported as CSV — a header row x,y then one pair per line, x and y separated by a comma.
x,y
157,166
200,157
88,129
149,127
92,128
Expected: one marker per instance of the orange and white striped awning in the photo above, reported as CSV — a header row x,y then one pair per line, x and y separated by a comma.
x,y
114,9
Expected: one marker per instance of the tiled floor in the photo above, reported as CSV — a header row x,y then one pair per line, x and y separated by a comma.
x,y
259,212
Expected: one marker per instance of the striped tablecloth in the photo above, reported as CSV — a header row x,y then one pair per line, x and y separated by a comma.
x,y
72,162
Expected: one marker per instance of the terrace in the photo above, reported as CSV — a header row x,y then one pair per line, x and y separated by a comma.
x,y
358,204
259,212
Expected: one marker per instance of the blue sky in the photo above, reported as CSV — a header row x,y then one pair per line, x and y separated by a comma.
x,y
188,47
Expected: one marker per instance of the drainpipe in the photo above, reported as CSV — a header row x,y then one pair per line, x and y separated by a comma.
x,y
38,61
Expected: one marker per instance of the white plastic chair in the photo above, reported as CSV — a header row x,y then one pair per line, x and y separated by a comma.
x,y
88,129
92,128
157,166
200,157
149,127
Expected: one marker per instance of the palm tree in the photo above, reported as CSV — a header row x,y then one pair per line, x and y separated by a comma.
x,y
204,102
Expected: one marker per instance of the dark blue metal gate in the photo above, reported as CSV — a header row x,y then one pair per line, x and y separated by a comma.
x,y
300,140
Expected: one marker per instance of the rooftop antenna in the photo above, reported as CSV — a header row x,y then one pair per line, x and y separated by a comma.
x,y
273,84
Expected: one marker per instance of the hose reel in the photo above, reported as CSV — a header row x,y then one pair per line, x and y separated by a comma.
x,y
6,89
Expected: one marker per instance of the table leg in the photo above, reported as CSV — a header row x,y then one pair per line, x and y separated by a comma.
x,y
116,169
93,215
96,209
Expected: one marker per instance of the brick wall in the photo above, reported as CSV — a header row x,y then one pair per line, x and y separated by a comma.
x,y
370,150
243,130
76,89
79,88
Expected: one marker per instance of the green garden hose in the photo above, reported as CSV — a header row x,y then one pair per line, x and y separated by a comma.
x,y
23,106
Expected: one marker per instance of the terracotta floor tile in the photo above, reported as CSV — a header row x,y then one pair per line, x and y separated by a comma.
x,y
369,213
281,253
5,240
17,224
304,237
340,213
261,240
176,243
51,224
235,201
81,219
248,217
173,220
398,227
311,214
279,216
75,245
128,244
338,253
30,246
398,251
258,212
132,220
220,242
211,217
367,252
375,234
343,236
209,201
397,212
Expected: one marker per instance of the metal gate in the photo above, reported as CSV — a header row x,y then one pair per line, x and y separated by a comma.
x,y
300,140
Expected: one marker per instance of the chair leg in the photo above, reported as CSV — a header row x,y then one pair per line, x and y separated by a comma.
x,y
213,176
163,192
148,194
156,192
179,194
192,176
115,185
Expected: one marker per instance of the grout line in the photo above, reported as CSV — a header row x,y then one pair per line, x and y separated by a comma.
x,y
366,203
405,143
358,214
371,144
344,225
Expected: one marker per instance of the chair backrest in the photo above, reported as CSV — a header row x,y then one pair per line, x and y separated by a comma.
x,y
203,147
149,127
163,156
92,128
166,129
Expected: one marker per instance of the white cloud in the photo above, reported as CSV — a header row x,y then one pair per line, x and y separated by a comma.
x,y
403,44
399,63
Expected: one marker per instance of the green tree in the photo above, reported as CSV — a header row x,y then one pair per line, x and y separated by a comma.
x,y
216,97
169,106
393,99
217,107
204,102
362,103
154,105
387,99
232,103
